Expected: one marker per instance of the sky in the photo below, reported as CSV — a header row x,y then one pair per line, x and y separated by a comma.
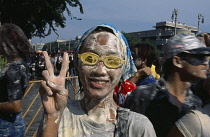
x,y
130,16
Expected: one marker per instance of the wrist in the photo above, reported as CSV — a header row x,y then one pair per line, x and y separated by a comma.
x,y
55,117
138,75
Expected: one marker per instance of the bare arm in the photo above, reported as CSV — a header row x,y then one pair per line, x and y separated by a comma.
x,y
141,72
54,96
11,107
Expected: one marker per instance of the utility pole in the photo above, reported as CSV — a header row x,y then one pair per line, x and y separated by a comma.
x,y
175,14
69,44
200,16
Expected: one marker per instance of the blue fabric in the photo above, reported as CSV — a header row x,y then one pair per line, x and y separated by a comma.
x,y
130,67
13,81
148,80
12,125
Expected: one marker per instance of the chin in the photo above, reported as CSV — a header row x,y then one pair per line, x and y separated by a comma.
x,y
98,94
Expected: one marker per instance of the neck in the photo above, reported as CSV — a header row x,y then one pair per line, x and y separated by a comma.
x,y
178,90
100,110
176,86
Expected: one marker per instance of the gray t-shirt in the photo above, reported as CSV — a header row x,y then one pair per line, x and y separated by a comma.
x,y
75,123
196,123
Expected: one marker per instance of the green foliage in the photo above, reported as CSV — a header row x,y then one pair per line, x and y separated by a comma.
x,y
152,43
132,40
3,62
37,17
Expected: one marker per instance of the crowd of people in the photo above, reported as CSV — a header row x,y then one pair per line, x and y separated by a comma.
x,y
36,64
126,93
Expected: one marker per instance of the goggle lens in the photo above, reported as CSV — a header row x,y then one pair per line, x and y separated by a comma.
x,y
109,61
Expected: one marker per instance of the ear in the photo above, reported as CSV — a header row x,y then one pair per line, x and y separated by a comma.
x,y
177,61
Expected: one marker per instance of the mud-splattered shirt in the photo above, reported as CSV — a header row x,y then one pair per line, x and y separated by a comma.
x,y
13,81
75,123
196,123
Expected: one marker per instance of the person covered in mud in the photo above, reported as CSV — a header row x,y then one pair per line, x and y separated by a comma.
x,y
196,123
102,60
184,61
14,77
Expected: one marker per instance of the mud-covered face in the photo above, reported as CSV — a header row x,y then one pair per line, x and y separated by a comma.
x,y
196,65
97,79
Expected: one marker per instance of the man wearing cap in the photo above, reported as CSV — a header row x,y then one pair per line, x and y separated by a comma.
x,y
167,100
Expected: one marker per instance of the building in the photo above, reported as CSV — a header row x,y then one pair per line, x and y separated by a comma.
x,y
38,46
163,31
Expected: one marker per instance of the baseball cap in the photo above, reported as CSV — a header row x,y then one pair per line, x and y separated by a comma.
x,y
183,43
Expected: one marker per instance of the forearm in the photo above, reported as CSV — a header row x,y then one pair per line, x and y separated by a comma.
x,y
135,78
11,107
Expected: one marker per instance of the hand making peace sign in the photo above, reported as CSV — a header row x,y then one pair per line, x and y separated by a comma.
x,y
52,90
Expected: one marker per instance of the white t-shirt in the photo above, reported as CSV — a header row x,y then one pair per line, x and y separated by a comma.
x,y
196,123
75,123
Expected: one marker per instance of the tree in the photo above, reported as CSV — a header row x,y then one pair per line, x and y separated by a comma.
x,y
37,17
132,40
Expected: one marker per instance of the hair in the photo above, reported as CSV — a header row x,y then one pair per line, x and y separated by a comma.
x,y
13,42
167,68
205,38
145,52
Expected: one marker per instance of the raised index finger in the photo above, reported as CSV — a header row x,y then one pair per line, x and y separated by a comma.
x,y
48,63
65,65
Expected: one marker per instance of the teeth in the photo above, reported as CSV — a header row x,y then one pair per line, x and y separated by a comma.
x,y
100,82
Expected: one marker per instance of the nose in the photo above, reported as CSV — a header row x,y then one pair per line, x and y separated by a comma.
x,y
100,68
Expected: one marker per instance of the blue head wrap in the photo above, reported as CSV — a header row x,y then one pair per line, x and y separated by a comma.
x,y
130,67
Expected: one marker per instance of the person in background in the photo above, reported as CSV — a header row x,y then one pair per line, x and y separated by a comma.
x,y
71,65
102,60
196,123
204,37
156,68
14,78
52,59
184,61
58,62
144,56
198,86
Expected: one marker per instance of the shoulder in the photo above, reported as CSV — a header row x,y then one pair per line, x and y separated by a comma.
x,y
18,65
140,125
145,92
140,98
139,120
192,124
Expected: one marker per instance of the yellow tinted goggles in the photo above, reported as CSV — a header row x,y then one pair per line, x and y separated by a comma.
x,y
109,61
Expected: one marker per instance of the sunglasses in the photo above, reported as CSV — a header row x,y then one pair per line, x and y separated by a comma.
x,y
109,61
195,59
